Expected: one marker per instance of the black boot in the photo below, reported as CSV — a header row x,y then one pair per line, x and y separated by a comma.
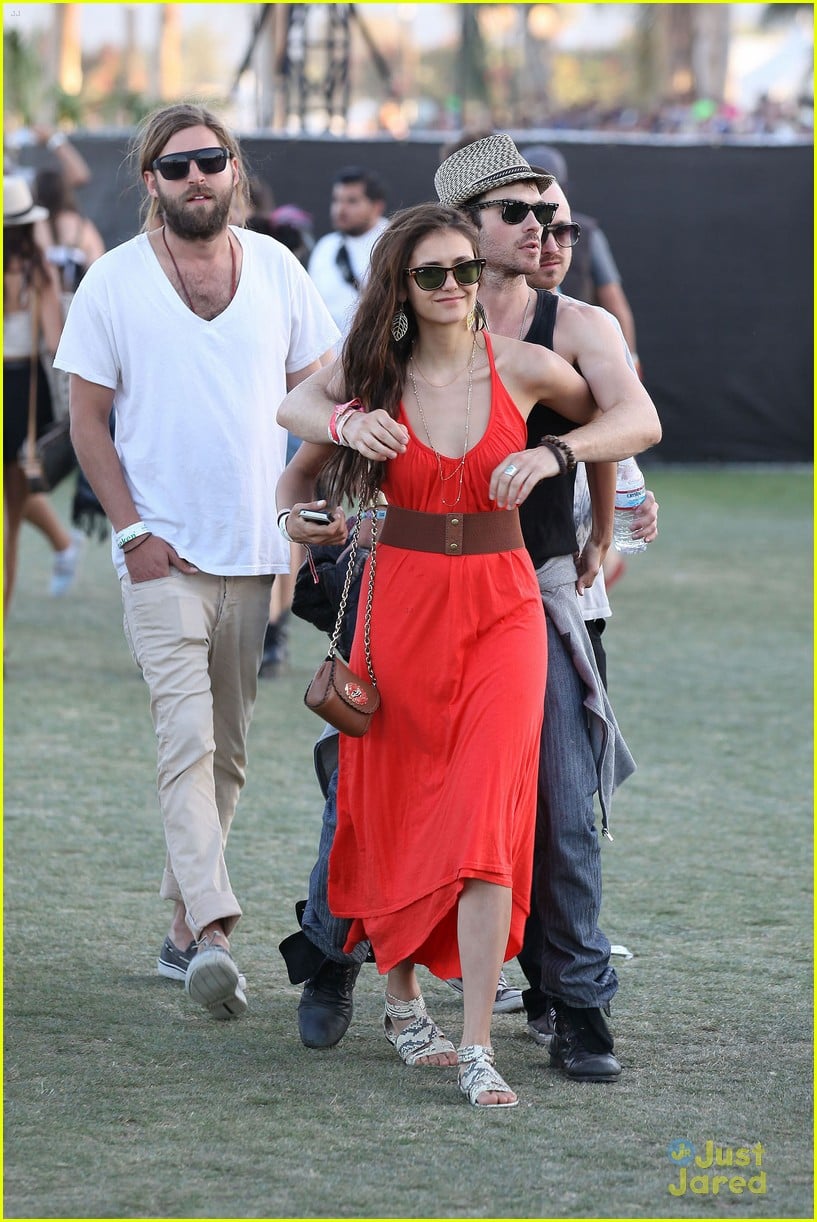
x,y
325,1009
302,957
583,1044
271,654
276,647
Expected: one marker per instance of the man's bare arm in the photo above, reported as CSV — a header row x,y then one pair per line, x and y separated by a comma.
x,y
307,410
91,406
628,422
601,480
611,297
300,375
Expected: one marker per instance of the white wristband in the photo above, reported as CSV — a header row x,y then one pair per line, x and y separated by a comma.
x,y
130,533
56,140
282,524
342,420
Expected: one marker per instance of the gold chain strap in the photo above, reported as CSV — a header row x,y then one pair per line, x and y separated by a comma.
x,y
347,585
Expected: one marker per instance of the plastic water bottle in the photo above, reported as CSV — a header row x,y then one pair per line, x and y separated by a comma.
x,y
630,492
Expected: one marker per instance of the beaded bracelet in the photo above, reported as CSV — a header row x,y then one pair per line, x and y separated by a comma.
x,y
564,455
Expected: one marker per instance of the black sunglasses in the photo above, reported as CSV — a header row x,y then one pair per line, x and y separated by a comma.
x,y
175,166
514,211
564,233
431,278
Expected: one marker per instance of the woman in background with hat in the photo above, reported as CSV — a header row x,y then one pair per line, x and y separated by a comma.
x,y
31,317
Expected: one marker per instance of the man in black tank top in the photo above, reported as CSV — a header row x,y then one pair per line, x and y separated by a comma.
x,y
566,957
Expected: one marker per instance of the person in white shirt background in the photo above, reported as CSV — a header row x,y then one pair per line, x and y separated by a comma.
x,y
339,263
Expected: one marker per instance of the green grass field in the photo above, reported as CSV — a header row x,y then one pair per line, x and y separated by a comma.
x,y
124,1101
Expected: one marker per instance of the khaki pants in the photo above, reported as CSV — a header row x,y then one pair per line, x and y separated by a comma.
x,y
197,639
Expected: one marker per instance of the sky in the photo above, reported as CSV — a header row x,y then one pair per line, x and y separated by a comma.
x,y
232,23
587,26
594,26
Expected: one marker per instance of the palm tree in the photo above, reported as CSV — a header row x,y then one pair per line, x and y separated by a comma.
x,y
683,51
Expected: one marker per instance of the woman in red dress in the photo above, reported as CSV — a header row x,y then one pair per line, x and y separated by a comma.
x,y
436,804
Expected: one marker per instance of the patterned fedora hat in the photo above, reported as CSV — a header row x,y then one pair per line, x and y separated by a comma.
x,y
481,166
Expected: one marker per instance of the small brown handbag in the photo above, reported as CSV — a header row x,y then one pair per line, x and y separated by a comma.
x,y
344,699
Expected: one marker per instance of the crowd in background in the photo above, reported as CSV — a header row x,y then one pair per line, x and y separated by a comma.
x,y
776,120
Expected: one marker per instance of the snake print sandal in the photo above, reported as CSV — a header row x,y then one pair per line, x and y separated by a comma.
x,y
477,1075
421,1038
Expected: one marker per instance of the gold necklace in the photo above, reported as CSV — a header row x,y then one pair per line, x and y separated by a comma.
x,y
460,467
441,385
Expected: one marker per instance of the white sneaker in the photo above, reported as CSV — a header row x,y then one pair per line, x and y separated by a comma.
x,y
64,572
508,999
214,982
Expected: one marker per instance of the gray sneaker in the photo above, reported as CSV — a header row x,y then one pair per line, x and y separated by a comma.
x,y
214,982
172,962
541,1030
508,999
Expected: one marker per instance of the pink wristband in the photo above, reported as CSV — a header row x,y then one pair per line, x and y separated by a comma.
x,y
339,410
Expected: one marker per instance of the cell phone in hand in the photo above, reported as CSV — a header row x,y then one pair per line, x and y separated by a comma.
x,y
316,515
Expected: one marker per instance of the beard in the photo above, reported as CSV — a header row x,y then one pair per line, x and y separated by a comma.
x,y
203,221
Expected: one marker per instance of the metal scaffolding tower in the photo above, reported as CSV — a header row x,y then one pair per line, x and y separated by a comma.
x,y
315,66
301,56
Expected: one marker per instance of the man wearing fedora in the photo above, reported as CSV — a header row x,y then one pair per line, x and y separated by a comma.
x,y
566,956
194,331
582,751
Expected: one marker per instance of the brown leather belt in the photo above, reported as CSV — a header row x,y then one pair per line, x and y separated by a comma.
x,y
452,534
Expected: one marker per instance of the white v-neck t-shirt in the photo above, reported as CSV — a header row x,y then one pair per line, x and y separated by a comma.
x,y
196,400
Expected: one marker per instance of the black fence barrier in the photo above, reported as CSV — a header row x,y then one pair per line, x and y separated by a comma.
x,y
714,245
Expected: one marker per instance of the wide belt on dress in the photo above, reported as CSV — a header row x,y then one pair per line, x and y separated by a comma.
x,y
452,534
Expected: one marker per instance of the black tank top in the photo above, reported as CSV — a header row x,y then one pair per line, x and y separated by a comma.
x,y
547,514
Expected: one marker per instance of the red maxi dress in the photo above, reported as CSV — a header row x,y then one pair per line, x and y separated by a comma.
x,y
443,786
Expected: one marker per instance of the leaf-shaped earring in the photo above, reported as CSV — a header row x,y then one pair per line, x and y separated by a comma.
x,y
399,325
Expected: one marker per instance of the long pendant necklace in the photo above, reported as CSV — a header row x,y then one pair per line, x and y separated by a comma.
x,y
185,290
460,467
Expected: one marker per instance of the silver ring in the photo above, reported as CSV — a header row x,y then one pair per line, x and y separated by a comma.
x,y
510,470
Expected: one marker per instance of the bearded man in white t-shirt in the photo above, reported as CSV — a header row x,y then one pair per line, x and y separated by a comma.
x,y
193,332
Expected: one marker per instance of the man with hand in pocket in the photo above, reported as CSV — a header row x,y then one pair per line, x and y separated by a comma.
x,y
193,331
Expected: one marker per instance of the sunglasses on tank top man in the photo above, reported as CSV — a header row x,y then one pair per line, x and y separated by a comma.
x,y
514,211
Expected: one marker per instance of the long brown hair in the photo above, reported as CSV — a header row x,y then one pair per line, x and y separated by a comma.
x,y
21,252
373,363
157,129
